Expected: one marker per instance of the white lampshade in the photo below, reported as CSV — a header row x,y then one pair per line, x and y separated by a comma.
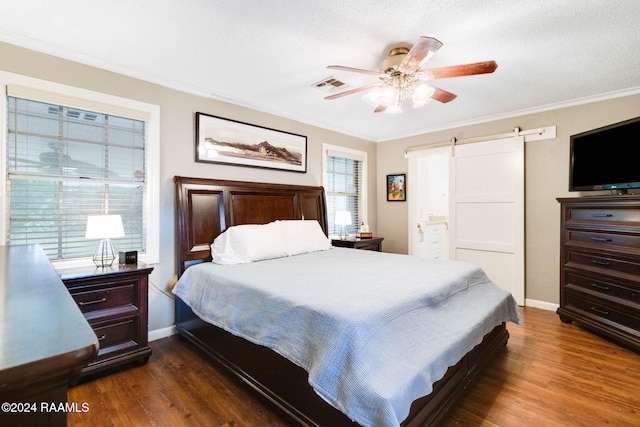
x,y
343,218
104,227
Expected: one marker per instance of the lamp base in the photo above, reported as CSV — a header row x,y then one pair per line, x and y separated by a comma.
x,y
104,254
343,233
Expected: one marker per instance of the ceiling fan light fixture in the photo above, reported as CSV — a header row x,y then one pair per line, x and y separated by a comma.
x,y
388,95
421,93
420,103
393,109
372,96
401,77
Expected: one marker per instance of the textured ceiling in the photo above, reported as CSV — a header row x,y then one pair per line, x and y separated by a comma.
x,y
267,55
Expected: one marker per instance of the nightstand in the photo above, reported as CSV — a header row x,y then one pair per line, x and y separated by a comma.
x,y
114,301
372,244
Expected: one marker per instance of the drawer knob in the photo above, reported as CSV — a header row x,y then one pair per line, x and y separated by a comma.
x,y
101,337
95,301
600,262
601,239
595,215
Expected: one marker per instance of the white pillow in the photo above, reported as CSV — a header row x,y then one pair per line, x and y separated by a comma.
x,y
241,244
303,236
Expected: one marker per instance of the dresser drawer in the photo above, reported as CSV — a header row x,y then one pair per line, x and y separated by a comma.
x,y
603,310
106,298
600,238
604,262
603,214
121,335
605,286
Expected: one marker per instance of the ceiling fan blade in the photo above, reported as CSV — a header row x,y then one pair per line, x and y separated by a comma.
x,y
442,95
484,67
417,54
379,109
356,70
351,91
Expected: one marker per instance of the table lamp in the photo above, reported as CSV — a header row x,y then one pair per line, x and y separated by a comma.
x,y
343,218
104,227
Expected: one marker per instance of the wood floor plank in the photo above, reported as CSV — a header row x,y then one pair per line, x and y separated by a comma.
x,y
550,374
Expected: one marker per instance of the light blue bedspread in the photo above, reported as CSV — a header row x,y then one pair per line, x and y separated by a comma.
x,y
373,330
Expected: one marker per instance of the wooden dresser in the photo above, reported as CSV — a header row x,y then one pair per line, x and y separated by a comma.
x,y
44,340
600,266
114,301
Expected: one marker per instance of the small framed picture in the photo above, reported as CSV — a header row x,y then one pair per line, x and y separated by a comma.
x,y
397,187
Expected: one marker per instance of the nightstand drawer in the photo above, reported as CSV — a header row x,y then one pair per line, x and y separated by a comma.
x,y
369,246
117,336
102,299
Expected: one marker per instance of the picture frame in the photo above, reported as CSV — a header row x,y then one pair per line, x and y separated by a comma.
x,y
397,187
225,141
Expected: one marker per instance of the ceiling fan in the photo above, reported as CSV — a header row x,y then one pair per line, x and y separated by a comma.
x,y
400,77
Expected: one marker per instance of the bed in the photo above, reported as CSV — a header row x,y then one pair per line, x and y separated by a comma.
x,y
206,208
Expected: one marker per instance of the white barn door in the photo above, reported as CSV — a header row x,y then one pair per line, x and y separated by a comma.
x,y
487,210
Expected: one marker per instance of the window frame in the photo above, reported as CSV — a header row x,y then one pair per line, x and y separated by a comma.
x,y
348,153
90,100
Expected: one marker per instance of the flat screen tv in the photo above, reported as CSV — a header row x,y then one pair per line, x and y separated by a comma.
x,y
605,158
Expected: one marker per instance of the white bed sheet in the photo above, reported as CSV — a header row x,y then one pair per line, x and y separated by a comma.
x,y
373,330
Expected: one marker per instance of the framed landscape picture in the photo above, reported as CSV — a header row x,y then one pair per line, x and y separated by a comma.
x,y
220,140
396,187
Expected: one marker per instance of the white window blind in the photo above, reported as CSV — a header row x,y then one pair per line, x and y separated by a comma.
x,y
65,163
344,189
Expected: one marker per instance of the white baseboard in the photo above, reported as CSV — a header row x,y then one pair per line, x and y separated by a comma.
x,y
541,304
157,334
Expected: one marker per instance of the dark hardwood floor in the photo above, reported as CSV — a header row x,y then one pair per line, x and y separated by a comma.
x,y
550,374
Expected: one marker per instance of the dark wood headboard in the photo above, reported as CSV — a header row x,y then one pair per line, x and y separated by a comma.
x,y
206,207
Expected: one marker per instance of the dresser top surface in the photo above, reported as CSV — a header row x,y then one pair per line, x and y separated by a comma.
x,y
40,325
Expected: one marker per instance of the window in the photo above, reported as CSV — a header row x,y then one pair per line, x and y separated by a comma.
x,y
66,158
345,185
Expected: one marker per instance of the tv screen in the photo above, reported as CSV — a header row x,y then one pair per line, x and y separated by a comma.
x,y
605,159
